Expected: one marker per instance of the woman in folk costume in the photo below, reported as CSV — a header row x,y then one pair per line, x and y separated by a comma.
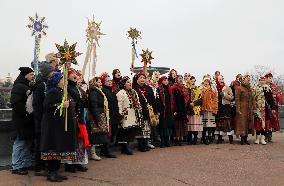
x,y
166,122
99,118
130,112
146,99
224,114
244,108
234,86
277,95
172,77
179,109
193,108
264,107
112,105
209,109
116,77
155,86
80,100
56,143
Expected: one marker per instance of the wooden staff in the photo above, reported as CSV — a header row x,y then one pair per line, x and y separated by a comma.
x,y
66,94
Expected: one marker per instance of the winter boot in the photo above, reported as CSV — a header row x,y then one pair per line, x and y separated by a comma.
x,y
94,155
257,139
262,140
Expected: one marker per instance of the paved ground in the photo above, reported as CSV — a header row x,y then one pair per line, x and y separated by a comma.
x,y
223,164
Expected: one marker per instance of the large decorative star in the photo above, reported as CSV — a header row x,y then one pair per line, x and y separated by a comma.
x,y
37,25
67,53
134,34
94,31
146,56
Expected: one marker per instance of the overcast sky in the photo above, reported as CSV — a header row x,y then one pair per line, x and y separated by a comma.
x,y
198,36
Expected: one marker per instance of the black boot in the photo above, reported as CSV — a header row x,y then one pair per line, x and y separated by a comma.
x,y
246,140
53,177
145,145
189,138
195,138
203,136
167,141
20,171
211,136
220,140
106,152
162,144
231,139
81,168
141,147
125,149
206,140
70,168
269,136
242,140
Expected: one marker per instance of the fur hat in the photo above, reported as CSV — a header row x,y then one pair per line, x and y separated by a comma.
x,y
51,57
45,68
25,70
206,77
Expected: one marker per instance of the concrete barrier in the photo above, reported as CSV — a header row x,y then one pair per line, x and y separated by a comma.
x,y
6,127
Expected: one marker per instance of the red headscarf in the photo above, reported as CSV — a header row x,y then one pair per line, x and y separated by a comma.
x,y
71,71
104,77
162,79
268,75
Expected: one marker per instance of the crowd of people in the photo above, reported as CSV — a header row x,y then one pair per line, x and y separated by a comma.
x,y
114,110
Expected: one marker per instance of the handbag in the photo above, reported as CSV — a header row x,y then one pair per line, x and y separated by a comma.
x,y
99,126
153,118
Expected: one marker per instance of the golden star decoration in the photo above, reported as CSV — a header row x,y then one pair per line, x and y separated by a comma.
x,y
146,56
94,31
134,34
67,53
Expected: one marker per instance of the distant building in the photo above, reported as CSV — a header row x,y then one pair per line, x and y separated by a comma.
x,y
150,70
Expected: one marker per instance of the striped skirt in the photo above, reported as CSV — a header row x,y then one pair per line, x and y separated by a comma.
x,y
208,119
194,123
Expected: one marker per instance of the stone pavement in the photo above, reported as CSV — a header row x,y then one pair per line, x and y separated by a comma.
x,y
222,164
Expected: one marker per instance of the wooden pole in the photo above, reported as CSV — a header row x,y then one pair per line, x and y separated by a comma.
x,y
145,68
66,94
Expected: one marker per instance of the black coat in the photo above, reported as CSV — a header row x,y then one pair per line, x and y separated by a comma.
x,y
164,103
39,92
269,103
96,103
96,109
53,134
150,98
80,99
179,105
23,121
113,108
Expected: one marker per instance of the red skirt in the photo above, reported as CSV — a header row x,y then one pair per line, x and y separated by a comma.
x,y
275,121
258,125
